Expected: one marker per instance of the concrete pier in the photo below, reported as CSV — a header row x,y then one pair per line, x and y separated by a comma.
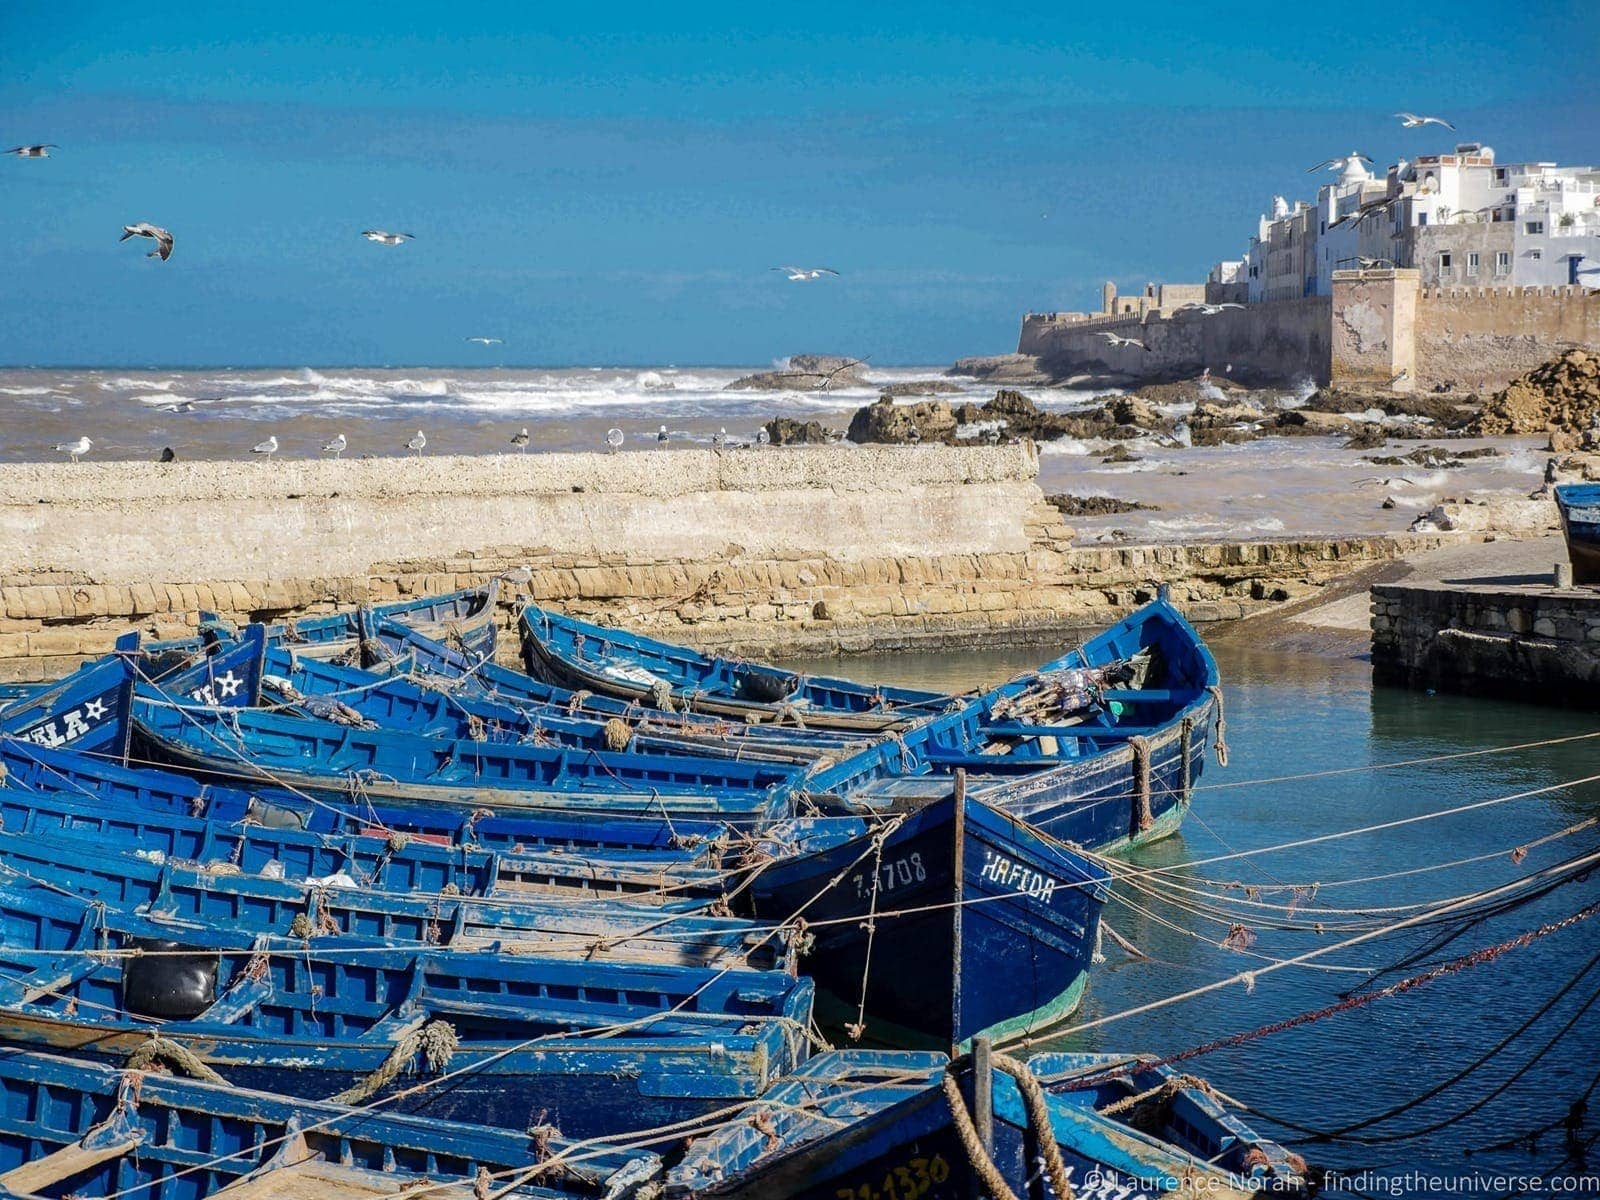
x,y
1496,624
776,551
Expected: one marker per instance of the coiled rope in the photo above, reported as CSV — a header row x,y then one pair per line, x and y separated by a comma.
x,y
160,1050
436,1041
1033,1100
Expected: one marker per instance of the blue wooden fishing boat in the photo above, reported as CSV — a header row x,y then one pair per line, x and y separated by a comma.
x,y
916,916
578,654
337,908
860,1124
1100,748
71,1127
591,1048
404,703
162,815
1579,505
463,619
402,649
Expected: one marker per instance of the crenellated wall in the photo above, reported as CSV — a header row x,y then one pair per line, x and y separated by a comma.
x,y
1482,338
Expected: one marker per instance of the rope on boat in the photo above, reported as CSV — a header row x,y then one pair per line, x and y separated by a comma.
x,y
1185,741
156,1050
661,696
859,1027
1142,820
1033,1100
1222,725
1166,1090
436,1041
618,734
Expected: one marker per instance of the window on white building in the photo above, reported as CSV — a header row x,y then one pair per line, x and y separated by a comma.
x,y
1472,262
1499,174
1502,262
1536,255
1533,228
1422,218
1445,261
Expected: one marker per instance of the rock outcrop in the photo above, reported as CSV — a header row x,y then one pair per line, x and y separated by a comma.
x,y
807,373
884,421
1563,395
1002,368
785,431
1096,506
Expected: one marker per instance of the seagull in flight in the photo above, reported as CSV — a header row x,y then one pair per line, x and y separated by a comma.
x,y
1413,121
519,439
1209,310
1338,164
267,448
614,439
179,406
163,239
42,150
336,445
1124,341
383,236
487,341
74,450
1373,264
801,274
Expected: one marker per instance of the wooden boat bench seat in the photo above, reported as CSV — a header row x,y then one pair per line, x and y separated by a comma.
x,y
238,1001
49,1172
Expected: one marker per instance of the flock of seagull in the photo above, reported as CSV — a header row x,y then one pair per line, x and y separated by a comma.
x,y
614,437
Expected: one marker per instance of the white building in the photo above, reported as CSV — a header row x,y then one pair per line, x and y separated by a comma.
x,y
1460,219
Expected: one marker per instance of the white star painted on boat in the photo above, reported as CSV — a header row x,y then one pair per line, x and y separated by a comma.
x,y
95,709
228,685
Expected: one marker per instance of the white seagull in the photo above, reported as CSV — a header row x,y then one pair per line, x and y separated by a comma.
x,y
1373,264
719,439
73,449
519,439
1209,310
179,406
662,436
267,448
1338,164
1413,121
1124,341
417,443
762,436
614,439
42,150
335,446
385,237
800,274
163,239
486,341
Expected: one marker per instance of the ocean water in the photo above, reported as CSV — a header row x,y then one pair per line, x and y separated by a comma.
x,y
1292,714
1268,488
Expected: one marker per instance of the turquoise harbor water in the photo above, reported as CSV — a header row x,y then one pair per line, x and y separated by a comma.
x,y
1293,714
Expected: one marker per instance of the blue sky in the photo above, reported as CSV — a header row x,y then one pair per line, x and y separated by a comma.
x,y
610,183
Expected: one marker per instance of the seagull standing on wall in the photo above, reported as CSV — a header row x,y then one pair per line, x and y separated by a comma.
x,y
42,150
267,448
163,239
663,437
386,238
335,446
1413,121
614,439
417,443
1338,164
519,439
74,450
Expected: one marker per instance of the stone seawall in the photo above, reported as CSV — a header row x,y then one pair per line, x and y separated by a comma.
x,y
1480,339
1266,344
802,550
1523,641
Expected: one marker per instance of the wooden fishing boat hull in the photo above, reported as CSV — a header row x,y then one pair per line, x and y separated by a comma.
x,y
913,936
576,654
70,1126
593,1049
893,1136
1579,505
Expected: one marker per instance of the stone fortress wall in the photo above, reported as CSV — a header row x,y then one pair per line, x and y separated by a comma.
x,y
776,551
1475,339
